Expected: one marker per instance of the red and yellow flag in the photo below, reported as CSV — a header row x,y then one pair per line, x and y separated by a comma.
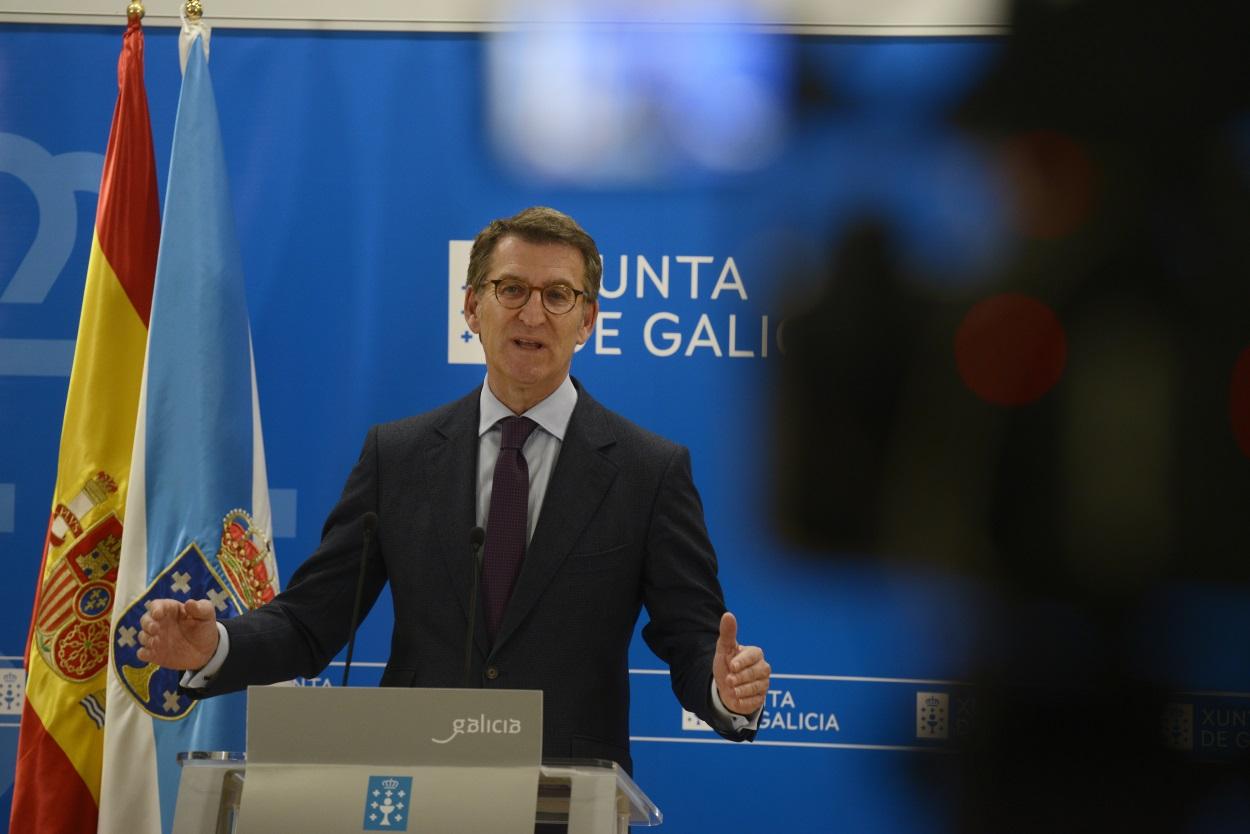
x,y
57,785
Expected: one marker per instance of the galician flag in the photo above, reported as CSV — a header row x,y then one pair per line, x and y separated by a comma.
x,y
57,784
197,521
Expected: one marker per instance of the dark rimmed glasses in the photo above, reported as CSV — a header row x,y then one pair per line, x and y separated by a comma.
x,y
558,299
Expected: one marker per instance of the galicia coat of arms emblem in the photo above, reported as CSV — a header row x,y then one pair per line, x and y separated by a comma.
x,y
188,577
386,803
240,580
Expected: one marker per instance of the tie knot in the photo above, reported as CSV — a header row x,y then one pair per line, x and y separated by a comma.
x,y
516,430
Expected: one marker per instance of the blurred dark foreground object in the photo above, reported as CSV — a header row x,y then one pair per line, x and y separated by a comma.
x,y
1073,431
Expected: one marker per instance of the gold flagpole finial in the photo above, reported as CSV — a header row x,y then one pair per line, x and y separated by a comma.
x,y
134,10
194,9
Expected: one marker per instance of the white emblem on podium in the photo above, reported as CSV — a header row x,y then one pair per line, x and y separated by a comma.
x,y
386,803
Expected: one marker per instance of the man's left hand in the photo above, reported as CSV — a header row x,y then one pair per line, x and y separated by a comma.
x,y
741,672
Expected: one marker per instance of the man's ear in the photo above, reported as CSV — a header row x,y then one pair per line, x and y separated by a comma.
x,y
589,314
470,311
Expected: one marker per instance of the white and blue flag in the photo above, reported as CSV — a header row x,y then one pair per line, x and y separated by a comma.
x,y
197,523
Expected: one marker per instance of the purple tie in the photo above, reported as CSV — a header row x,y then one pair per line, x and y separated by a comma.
x,y
507,520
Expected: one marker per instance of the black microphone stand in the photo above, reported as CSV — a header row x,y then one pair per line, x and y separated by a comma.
x,y
477,537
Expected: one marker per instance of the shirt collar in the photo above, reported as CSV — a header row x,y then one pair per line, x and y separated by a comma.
x,y
552,414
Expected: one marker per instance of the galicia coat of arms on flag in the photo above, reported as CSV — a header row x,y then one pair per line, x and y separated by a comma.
x,y
247,583
154,688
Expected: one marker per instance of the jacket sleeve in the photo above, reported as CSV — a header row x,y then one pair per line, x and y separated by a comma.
x,y
682,594
300,631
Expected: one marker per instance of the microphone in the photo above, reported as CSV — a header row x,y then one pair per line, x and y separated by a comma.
x,y
477,537
370,520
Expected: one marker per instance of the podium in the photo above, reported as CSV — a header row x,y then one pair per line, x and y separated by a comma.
x,y
333,760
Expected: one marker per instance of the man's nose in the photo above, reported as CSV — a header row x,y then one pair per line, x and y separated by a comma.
x,y
532,312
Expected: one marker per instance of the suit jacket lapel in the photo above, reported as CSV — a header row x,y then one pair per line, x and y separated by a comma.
x,y
451,462
580,480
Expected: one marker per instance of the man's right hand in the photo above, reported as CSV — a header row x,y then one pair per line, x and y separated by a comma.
x,y
178,635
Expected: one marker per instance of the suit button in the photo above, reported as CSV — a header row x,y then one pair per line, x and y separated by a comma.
x,y
491,673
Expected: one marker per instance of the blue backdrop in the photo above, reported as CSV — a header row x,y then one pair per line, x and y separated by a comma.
x,y
357,162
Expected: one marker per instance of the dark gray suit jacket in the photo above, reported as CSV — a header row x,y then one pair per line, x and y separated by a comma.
x,y
621,526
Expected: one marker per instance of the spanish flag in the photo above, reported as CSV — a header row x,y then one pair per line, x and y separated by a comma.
x,y
60,749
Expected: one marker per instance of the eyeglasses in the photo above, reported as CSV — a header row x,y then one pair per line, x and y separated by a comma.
x,y
558,299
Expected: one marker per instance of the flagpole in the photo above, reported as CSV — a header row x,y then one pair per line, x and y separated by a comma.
x,y
193,26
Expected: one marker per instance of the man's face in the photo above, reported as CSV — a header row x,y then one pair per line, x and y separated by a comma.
x,y
529,350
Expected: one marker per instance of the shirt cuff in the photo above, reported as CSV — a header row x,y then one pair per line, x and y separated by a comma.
x,y
200,678
738,722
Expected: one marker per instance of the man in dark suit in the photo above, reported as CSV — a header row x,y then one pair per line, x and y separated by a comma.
x,y
588,517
